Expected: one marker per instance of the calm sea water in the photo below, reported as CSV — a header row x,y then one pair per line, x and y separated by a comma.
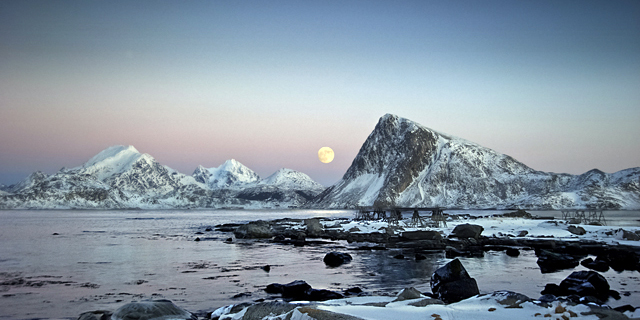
x,y
58,264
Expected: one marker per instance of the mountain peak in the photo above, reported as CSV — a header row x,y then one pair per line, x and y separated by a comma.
x,y
292,179
230,175
118,151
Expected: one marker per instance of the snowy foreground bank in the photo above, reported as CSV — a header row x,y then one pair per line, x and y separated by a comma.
x,y
499,305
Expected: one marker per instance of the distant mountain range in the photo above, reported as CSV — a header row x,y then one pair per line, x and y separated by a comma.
x,y
401,164
121,177
404,164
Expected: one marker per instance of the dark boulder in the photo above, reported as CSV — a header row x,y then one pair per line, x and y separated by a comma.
x,y
422,235
296,290
597,265
336,259
455,291
586,283
465,231
512,252
552,289
549,261
452,283
620,260
301,291
322,295
577,230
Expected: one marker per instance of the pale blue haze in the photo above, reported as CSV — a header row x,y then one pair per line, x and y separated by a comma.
x,y
555,84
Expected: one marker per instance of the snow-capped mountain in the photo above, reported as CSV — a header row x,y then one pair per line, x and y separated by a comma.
x,y
405,164
230,175
122,177
293,180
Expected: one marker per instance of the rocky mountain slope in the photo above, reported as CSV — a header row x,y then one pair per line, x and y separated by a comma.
x,y
122,177
405,164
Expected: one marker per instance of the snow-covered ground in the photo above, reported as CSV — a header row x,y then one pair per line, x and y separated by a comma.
x,y
482,307
508,227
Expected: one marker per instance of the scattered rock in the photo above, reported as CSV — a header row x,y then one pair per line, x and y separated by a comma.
x,y
465,231
518,214
625,308
322,295
510,299
452,283
399,256
353,291
408,294
336,259
512,252
522,233
299,290
314,228
253,230
622,234
586,283
264,309
157,309
426,302
577,230
620,260
551,261
420,257
597,265
422,235
295,290
547,298
266,268
95,315
241,295
197,239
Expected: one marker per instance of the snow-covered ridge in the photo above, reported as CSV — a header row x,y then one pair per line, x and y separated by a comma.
x,y
403,163
122,177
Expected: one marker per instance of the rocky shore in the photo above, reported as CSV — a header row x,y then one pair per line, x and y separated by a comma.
x,y
557,245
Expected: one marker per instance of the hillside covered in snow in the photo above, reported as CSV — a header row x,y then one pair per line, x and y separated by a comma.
x,y
405,164
121,177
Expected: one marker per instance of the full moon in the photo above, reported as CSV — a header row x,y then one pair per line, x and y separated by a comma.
x,y
325,154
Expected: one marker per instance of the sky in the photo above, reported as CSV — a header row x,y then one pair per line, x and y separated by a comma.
x,y
554,84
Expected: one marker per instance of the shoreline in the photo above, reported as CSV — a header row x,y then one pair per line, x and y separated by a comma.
x,y
291,246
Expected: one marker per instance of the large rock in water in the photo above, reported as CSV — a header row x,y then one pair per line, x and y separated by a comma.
x,y
586,283
254,229
466,231
335,259
451,283
152,310
549,261
299,290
